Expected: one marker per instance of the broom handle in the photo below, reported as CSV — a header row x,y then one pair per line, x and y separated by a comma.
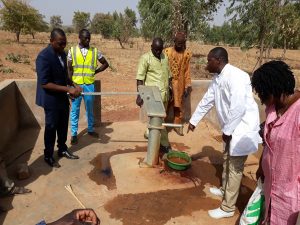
x,y
69,189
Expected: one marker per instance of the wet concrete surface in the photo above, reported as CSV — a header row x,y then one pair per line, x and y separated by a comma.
x,y
107,177
102,173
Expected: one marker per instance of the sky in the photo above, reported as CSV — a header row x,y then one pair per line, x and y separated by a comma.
x,y
66,8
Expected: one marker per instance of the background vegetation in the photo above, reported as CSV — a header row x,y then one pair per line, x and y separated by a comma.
x,y
261,24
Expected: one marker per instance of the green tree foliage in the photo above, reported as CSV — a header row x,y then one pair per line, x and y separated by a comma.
x,y
120,26
220,35
68,29
155,18
166,17
124,25
56,22
102,23
265,23
288,36
35,23
18,17
81,20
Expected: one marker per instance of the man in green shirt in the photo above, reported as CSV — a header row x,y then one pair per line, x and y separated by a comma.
x,y
153,70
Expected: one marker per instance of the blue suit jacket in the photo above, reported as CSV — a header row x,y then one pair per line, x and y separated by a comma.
x,y
50,70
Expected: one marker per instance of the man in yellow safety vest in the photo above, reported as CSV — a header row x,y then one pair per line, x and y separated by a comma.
x,y
82,67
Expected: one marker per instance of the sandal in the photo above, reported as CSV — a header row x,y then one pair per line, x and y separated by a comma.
x,y
19,191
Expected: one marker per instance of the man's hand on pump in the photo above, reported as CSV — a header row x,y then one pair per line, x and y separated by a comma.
x,y
139,101
75,91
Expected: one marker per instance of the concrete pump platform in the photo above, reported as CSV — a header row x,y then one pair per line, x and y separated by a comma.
x,y
107,177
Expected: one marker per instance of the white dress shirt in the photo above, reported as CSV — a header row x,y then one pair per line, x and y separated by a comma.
x,y
231,93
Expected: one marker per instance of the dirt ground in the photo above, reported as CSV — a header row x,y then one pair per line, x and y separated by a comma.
x,y
107,176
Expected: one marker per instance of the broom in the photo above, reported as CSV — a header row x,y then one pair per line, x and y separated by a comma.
x,y
70,190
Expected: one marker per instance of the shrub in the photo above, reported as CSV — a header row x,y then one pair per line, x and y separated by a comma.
x,y
16,58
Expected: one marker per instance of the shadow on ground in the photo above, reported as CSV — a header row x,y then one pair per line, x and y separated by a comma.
x,y
102,172
85,140
159,207
18,151
25,142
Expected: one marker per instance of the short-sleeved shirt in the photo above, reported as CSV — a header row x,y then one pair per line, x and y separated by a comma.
x,y
84,52
155,72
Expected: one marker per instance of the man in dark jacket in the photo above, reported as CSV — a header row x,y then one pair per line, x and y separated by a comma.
x,y
53,85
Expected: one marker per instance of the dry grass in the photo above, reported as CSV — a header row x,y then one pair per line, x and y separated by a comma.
x,y
125,60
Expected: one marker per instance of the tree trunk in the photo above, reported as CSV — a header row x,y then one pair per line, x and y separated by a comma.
x,y
186,28
32,34
284,49
261,51
18,36
120,42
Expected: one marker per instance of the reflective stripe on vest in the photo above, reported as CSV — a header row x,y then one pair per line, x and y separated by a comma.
x,y
84,68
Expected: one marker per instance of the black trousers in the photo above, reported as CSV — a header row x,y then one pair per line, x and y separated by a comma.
x,y
56,121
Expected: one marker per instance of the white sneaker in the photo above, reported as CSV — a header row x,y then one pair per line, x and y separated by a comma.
x,y
219,213
216,191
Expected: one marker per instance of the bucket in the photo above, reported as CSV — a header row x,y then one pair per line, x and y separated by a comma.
x,y
178,160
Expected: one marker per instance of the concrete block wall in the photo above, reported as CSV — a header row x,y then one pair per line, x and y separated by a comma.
x,y
30,115
27,93
199,89
9,115
18,109
191,102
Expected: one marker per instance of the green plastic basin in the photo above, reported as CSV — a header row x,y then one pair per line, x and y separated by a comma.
x,y
178,160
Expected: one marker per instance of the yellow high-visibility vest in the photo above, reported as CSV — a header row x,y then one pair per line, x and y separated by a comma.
x,y
84,68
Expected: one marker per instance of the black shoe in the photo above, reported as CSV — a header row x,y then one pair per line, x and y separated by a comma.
x,y
165,149
93,134
51,162
3,210
67,154
74,140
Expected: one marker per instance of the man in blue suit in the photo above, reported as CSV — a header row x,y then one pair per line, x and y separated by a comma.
x,y
53,85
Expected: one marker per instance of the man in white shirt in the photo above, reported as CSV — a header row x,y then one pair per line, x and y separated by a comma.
x,y
231,93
